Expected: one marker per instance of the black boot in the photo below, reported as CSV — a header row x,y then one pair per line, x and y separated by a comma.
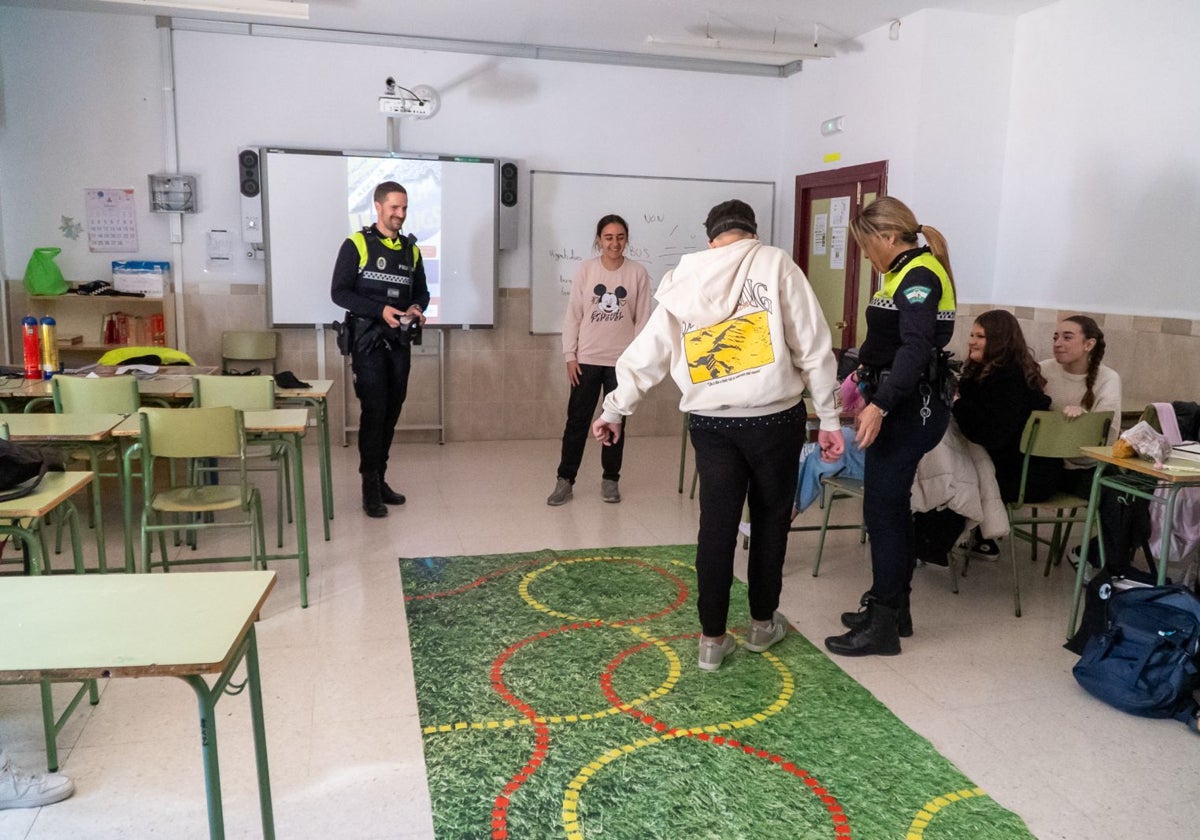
x,y
862,616
879,637
372,487
389,496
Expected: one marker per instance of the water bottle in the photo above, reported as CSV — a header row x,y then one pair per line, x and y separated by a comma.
x,y
49,336
33,351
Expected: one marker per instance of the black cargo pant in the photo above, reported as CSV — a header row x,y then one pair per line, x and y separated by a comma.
x,y
381,384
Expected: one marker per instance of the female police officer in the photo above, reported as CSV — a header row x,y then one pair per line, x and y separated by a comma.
x,y
909,320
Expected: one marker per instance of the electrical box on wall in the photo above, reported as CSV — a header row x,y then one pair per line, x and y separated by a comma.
x,y
172,193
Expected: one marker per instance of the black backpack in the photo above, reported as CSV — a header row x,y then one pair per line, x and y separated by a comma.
x,y
1145,662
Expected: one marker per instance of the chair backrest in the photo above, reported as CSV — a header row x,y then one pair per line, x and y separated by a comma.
x,y
249,346
245,393
215,432
102,395
1049,434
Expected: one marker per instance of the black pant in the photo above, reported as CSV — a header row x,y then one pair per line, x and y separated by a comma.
x,y
759,459
381,384
891,466
595,381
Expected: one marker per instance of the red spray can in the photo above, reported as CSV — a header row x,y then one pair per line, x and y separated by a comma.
x,y
32,348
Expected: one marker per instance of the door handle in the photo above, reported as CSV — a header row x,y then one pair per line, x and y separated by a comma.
x,y
841,325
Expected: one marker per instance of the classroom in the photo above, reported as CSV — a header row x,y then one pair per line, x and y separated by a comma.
x,y
1024,131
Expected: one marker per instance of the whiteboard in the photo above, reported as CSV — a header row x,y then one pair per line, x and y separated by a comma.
x,y
313,200
665,216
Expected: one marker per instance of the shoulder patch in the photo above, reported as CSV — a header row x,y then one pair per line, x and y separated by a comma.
x,y
917,294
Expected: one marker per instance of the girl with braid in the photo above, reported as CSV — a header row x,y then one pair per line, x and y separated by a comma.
x,y
1078,382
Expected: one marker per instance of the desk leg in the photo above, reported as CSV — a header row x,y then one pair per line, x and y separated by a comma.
x,y
207,698
260,737
295,445
1164,552
326,466
98,510
207,701
1092,512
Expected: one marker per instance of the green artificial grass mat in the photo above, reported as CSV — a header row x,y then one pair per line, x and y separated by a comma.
x,y
559,698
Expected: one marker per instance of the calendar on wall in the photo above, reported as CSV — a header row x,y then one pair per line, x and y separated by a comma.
x,y
111,220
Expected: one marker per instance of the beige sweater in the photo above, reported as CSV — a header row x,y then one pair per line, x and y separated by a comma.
x,y
606,311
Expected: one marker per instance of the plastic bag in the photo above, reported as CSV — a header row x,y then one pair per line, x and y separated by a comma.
x,y
42,274
1147,442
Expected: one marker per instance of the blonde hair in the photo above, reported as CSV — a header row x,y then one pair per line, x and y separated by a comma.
x,y
891,215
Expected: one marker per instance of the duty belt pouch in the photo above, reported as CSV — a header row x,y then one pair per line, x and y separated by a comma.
x,y
345,337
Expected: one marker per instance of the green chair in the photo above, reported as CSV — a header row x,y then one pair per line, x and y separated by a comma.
x,y
833,488
255,346
250,393
192,433
1049,434
100,395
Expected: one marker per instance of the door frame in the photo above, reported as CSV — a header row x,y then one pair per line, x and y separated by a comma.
x,y
858,179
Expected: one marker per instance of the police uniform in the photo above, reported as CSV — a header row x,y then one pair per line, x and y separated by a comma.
x,y
373,271
907,319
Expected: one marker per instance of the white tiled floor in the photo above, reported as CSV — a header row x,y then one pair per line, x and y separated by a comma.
x,y
993,693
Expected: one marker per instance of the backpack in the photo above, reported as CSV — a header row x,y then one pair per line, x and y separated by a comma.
x,y
21,470
1145,661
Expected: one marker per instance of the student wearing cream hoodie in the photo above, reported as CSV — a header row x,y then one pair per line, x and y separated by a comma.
x,y
740,331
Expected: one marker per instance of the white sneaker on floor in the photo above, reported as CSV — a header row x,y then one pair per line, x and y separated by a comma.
x,y
712,654
22,790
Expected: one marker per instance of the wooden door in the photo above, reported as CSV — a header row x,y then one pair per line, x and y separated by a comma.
x,y
840,275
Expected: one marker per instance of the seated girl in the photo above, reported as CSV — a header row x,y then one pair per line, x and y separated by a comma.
x,y
1000,386
1078,382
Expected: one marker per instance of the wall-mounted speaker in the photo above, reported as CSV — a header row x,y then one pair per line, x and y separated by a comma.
x,y
250,186
508,212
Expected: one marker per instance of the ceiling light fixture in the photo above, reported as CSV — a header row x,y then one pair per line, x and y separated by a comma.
x,y
726,48
258,8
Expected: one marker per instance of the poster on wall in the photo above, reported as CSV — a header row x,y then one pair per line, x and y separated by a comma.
x,y
819,229
111,220
837,248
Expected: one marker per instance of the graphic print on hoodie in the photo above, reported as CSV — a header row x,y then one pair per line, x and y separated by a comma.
x,y
736,345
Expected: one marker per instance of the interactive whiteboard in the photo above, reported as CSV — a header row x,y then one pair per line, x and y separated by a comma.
x,y
313,200
665,216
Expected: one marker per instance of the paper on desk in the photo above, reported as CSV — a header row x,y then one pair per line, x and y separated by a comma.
x,y
136,369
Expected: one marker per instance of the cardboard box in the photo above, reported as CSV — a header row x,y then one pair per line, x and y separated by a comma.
x,y
151,278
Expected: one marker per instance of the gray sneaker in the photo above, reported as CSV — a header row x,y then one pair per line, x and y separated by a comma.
x,y
561,494
609,491
712,654
761,638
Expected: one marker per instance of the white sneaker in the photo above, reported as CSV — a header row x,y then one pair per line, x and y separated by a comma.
x,y
21,790
712,654
761,638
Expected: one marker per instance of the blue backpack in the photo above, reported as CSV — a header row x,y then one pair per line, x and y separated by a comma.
x,y
1145,660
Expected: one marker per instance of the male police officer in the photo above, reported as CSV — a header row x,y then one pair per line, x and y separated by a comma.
x,y
380,280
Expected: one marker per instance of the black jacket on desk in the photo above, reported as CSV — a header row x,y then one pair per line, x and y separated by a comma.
x,y
992,412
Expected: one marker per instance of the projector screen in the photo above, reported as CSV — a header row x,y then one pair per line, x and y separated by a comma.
x,y
313,200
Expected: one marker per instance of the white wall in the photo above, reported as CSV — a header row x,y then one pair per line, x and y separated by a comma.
x,y
1101,200
234,90
82,107
933,104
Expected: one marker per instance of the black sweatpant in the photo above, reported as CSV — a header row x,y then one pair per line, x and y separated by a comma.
x,y
739,458
595,381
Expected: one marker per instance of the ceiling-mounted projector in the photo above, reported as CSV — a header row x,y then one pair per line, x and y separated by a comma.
x,y
421,102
